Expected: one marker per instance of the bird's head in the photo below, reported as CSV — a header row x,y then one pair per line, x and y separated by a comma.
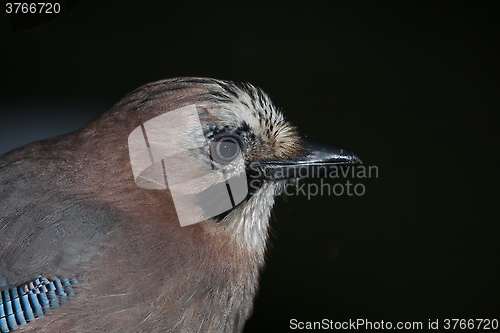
x,y
222,149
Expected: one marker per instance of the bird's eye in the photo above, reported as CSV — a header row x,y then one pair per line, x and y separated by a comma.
x,y
225,149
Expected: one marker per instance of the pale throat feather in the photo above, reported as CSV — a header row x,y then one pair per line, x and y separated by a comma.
x,y
248,224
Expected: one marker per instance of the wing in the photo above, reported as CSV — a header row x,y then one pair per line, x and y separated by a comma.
x,y
44,229
47,234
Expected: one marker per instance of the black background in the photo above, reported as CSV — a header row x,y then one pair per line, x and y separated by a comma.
x,y
412,87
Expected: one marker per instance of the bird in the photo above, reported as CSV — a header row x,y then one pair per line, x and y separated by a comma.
x,y
90,240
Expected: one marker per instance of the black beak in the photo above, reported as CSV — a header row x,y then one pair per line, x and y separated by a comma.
x,y
319,160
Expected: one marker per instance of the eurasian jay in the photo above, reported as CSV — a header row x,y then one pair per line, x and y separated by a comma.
x,y
94,237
